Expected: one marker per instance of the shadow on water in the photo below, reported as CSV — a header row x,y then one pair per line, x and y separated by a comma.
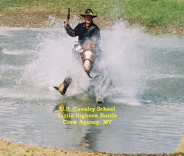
x,y
90,131
85,142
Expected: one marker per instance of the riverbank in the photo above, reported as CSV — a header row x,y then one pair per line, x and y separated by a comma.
x,y
153,16
11,149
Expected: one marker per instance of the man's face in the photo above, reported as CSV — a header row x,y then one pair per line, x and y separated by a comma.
x,y
88,19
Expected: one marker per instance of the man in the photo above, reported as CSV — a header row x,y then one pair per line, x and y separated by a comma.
x,y
87,31
88,40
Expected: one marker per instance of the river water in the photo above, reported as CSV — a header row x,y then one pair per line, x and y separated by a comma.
x,y
148,85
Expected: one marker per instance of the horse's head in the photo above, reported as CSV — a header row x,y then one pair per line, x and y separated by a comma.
x,y
87,60
88,56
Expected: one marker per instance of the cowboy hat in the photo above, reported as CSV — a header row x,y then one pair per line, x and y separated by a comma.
x,y
89,12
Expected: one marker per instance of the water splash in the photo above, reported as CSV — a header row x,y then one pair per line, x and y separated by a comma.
x,y
119,45
119,58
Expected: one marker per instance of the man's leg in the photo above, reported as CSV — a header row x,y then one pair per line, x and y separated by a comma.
x,y
103,86
100,82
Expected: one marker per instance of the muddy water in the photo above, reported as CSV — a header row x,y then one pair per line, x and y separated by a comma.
x,y
147,73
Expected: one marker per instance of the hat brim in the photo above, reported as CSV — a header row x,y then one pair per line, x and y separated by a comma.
x,y
83,15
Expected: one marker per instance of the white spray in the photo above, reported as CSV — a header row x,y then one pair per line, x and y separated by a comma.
x,y
120,59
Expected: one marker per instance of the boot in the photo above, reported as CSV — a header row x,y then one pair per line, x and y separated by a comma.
x,y
64,86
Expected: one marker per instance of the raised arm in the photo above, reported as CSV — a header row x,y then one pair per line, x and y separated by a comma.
x,y
69,30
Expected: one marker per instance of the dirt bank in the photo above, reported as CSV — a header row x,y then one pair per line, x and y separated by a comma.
x,y
26,17
37,17
11,149
180,147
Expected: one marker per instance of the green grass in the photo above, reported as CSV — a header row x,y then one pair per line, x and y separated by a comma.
x,y
153,13
149,13
102,7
